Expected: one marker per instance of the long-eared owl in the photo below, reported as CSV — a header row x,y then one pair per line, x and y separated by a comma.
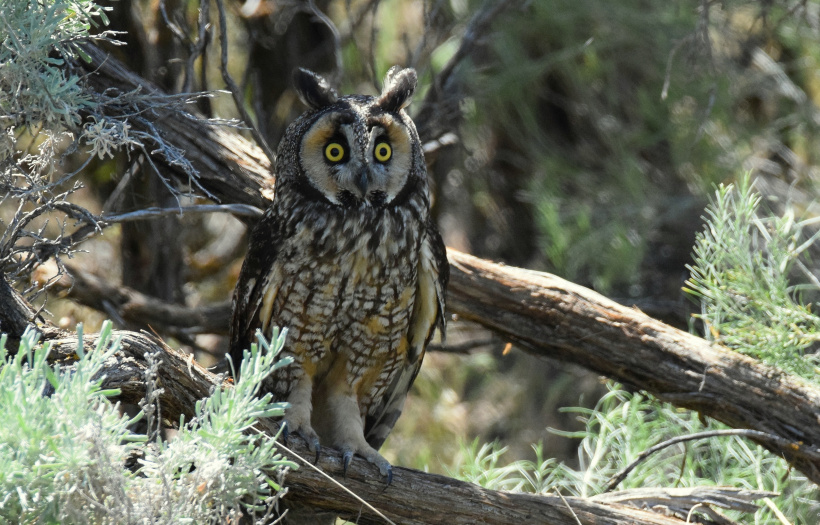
x,y
348,260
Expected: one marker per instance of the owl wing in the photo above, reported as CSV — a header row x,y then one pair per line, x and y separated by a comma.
x,y
428,313
257,282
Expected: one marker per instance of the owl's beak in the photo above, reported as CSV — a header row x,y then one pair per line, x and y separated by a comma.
x,y
362,180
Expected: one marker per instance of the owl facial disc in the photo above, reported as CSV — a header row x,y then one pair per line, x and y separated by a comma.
x,y
355,157
356,150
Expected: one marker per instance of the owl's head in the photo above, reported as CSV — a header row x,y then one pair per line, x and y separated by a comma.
x,y
353,150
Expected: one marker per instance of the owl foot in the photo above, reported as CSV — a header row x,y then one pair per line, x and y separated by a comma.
x,y
385,468
304,432
297,416
339,421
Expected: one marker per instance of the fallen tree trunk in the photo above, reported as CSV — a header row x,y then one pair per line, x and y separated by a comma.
x,y
546,315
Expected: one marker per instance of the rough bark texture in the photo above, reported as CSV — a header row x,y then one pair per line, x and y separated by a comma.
x,y
554,318
228,166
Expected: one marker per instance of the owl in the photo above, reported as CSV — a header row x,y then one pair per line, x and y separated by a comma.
x,y
347,258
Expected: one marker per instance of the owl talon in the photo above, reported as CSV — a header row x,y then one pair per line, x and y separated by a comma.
x,y
311,440
347,457
389,476
385,468
305,432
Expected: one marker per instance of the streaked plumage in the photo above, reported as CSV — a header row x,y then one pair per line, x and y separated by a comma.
x,y
348,259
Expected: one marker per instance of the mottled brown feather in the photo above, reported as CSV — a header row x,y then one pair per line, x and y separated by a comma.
x,y
347,259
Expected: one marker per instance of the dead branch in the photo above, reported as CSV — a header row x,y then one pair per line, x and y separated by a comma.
x,y
231,168
743,432
234,88
681,501
554,318
439,110
131,308
549,316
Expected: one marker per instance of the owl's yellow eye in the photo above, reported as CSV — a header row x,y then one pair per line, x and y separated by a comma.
x,y
382,152
334,152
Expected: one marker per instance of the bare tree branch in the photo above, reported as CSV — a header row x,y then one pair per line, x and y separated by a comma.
x,y
743,432
440,108
133,309
238,210
220,156
550,317
681,501
337,39
234,88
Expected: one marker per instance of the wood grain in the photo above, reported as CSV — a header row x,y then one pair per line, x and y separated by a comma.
x,y
551,317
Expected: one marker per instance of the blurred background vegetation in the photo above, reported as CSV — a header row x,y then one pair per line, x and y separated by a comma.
x,y
577,137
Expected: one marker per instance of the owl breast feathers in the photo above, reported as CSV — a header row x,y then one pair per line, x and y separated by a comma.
x,y
348,260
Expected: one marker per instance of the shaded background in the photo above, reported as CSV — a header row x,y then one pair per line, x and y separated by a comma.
x,y
581,138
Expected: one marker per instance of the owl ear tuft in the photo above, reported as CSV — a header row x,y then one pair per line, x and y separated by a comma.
x,y
399,85
313,89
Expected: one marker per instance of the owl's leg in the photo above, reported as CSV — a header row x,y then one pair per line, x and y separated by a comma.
x,y
297,417
343,426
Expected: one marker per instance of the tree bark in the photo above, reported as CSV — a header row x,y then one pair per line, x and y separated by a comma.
x,y
550,317
135,310
546,315
229,167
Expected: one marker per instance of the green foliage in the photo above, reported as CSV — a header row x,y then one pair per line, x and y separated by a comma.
x,y
33,87
480,464
571,104
52,447
622,426
611,121
37,91
45,111
62,455
742,275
